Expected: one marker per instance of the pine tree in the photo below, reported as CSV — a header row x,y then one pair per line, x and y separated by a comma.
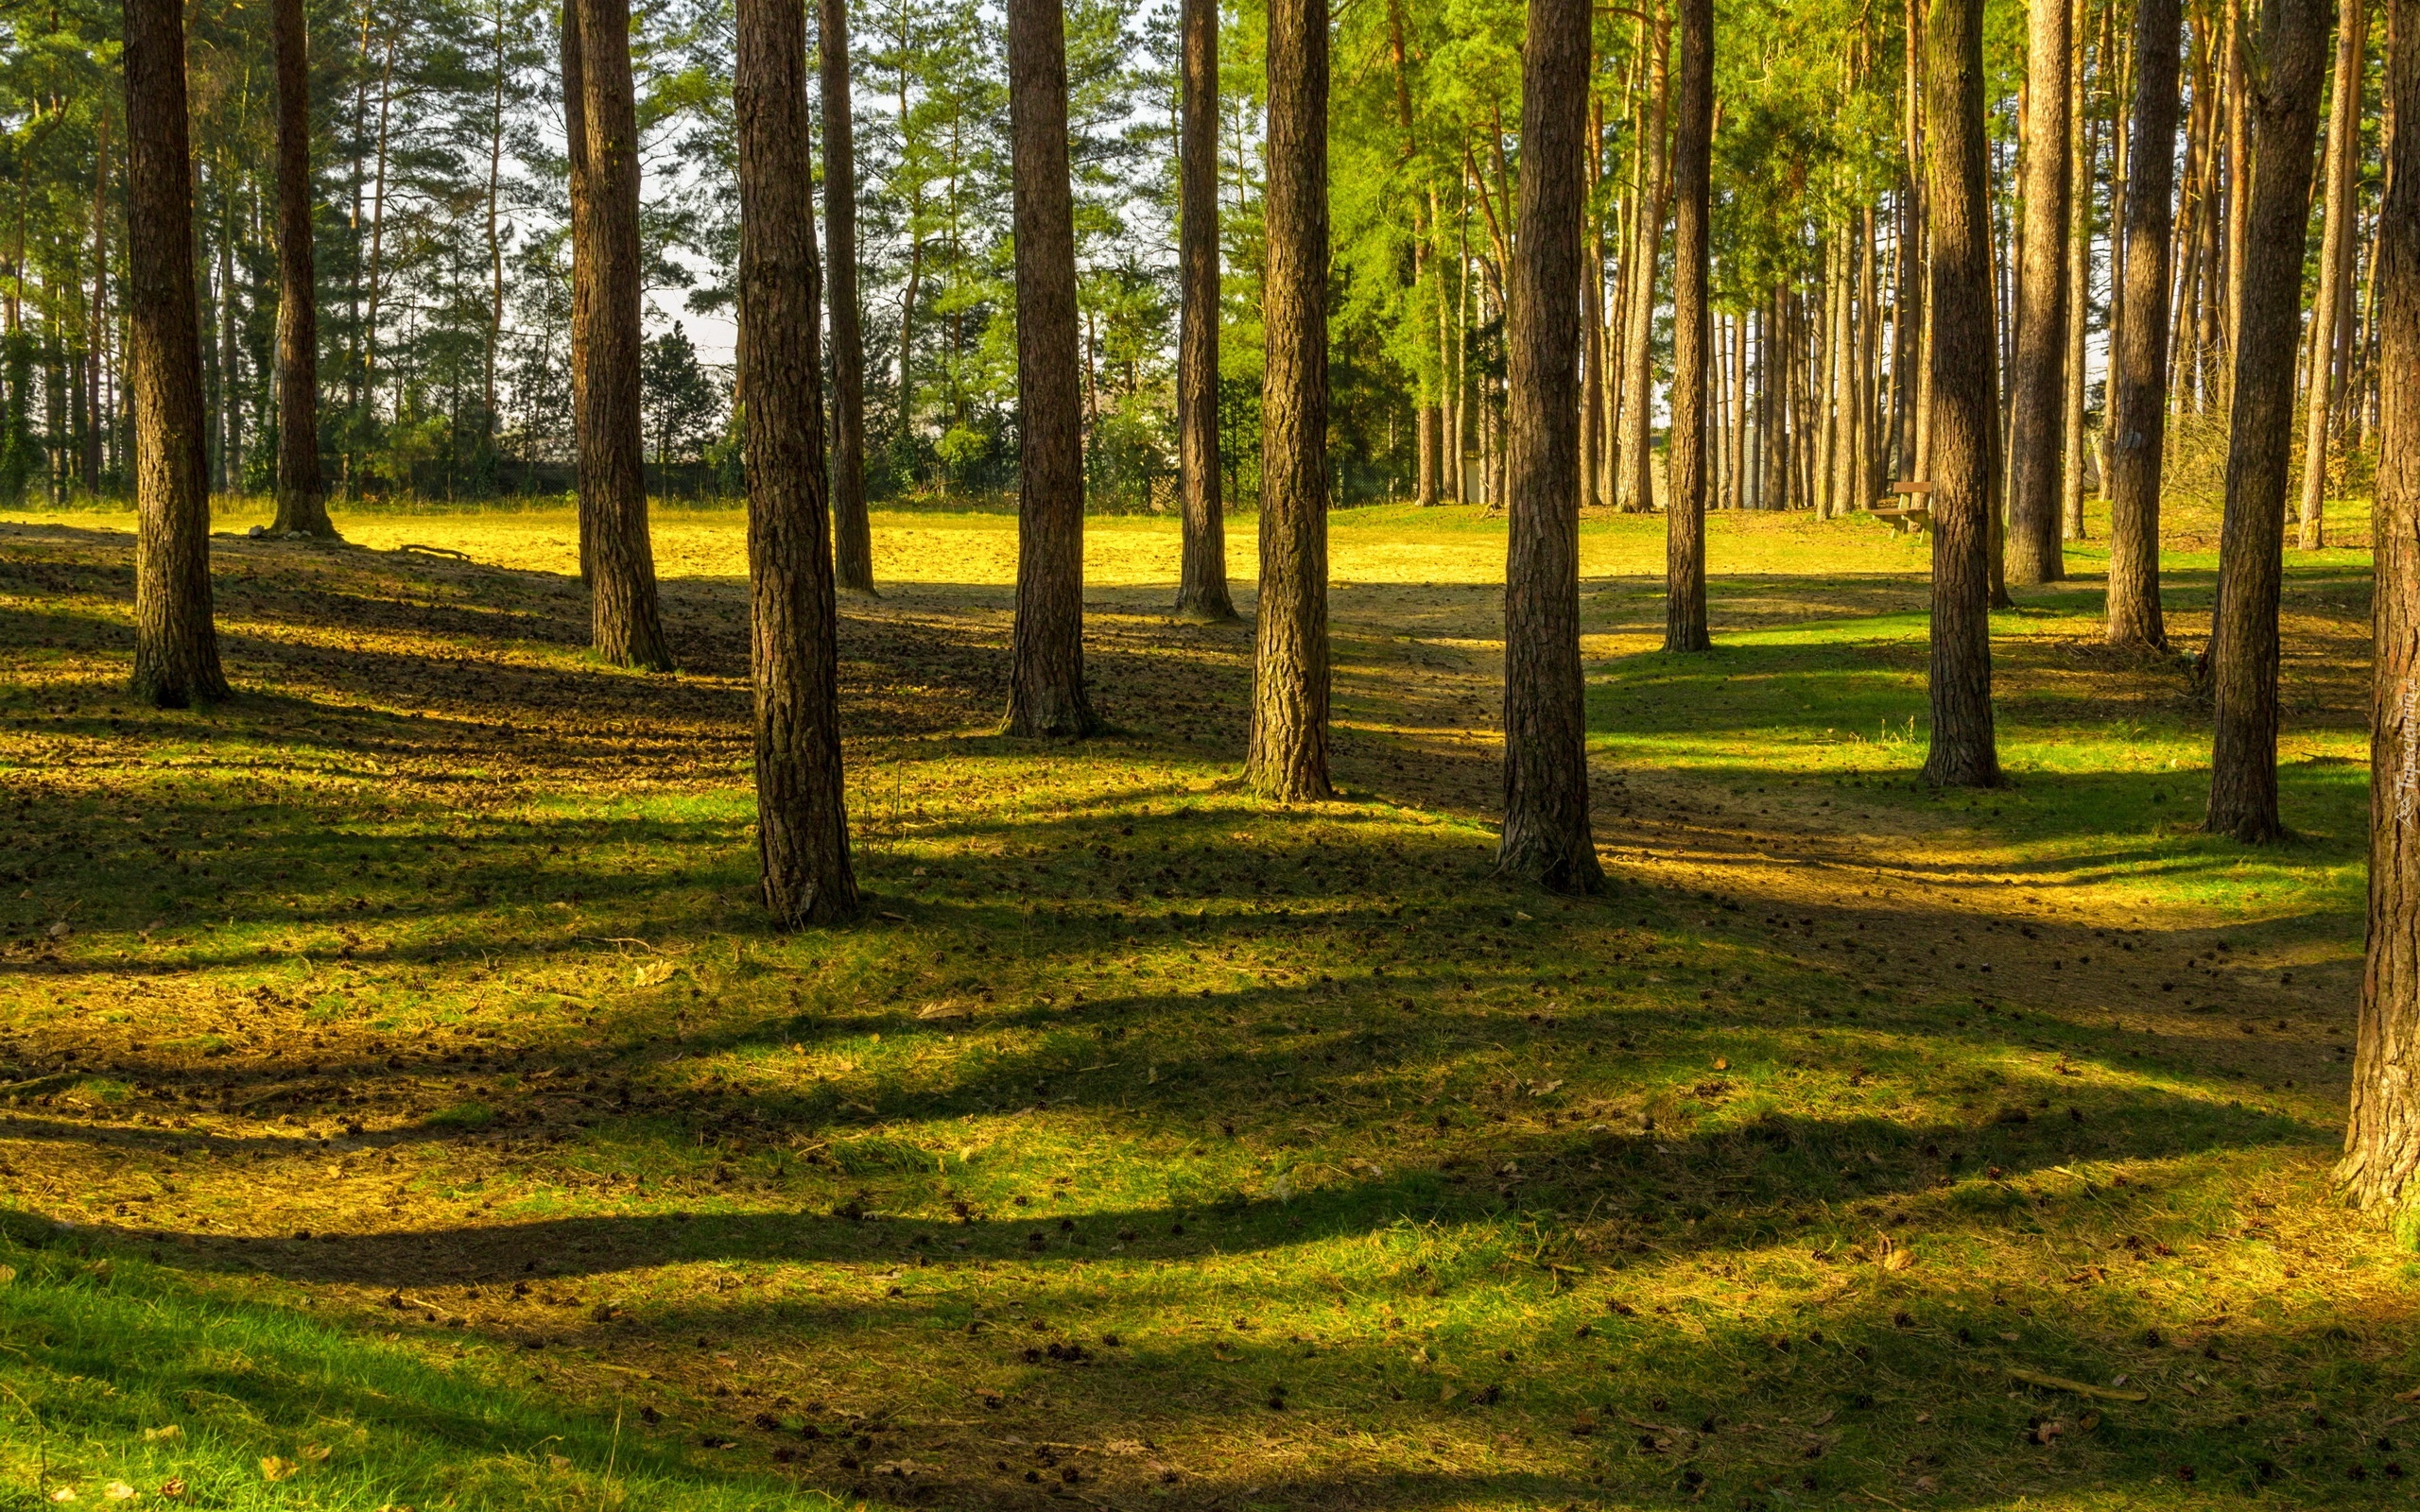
x,y
176,643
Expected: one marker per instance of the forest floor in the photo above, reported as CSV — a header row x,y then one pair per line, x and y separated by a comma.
x,y
405,1104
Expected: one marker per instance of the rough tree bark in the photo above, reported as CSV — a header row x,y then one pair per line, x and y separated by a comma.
x,y
2082,142
1545,837
2335,264
1202,580
2243,645
1965,400
2038,414
852,532
2381,1166
175,644
625,625
802,823
582,274
1685,621
1047,648
2138,420
1287,759
1634,486
301,496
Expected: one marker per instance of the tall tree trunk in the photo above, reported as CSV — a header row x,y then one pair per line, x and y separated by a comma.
x,y
802,823
2335,264
903,440
231,393
2238,183
1424,413
625,625
1287,756
1047,651
852,532
494,333
1636,486
1867,367
97,339
302,497
2381,1166
1592,315
175,644
583,270
2084,144
2039,411
2138,422
368,386
1684,488
2243,645
1966,400
1545,837
1825,364
1201,581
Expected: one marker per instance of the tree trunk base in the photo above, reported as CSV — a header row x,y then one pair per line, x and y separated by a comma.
x,y
1057,718
2251,828
1961,768
1558,868
1207,610
1685,641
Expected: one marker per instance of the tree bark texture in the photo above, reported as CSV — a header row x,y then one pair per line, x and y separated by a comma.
x,y
302,495
2138,420
1545,837
1202,580
1287,759
582,263
175,644
2381,1166
2081,142
2243,645
1684,617
2335,266
625,625
801,822
1046,648
2038,415
1965,400
1634,486
852,532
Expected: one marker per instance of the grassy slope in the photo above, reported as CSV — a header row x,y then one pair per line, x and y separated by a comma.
x,y
1150,1145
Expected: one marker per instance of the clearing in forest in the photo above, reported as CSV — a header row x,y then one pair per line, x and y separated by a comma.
x,y
407,1105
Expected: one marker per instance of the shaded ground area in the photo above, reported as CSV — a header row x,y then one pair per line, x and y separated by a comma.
x,y
411,1016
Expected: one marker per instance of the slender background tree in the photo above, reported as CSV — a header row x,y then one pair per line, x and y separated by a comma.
x,y
2038,404
1202,590
2335,264
1685,614
851,530
301,496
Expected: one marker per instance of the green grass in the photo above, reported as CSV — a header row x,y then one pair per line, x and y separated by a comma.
x,y
1146,1143
125,1375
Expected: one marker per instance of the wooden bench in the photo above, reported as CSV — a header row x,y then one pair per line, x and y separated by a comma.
x,y
1916,515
